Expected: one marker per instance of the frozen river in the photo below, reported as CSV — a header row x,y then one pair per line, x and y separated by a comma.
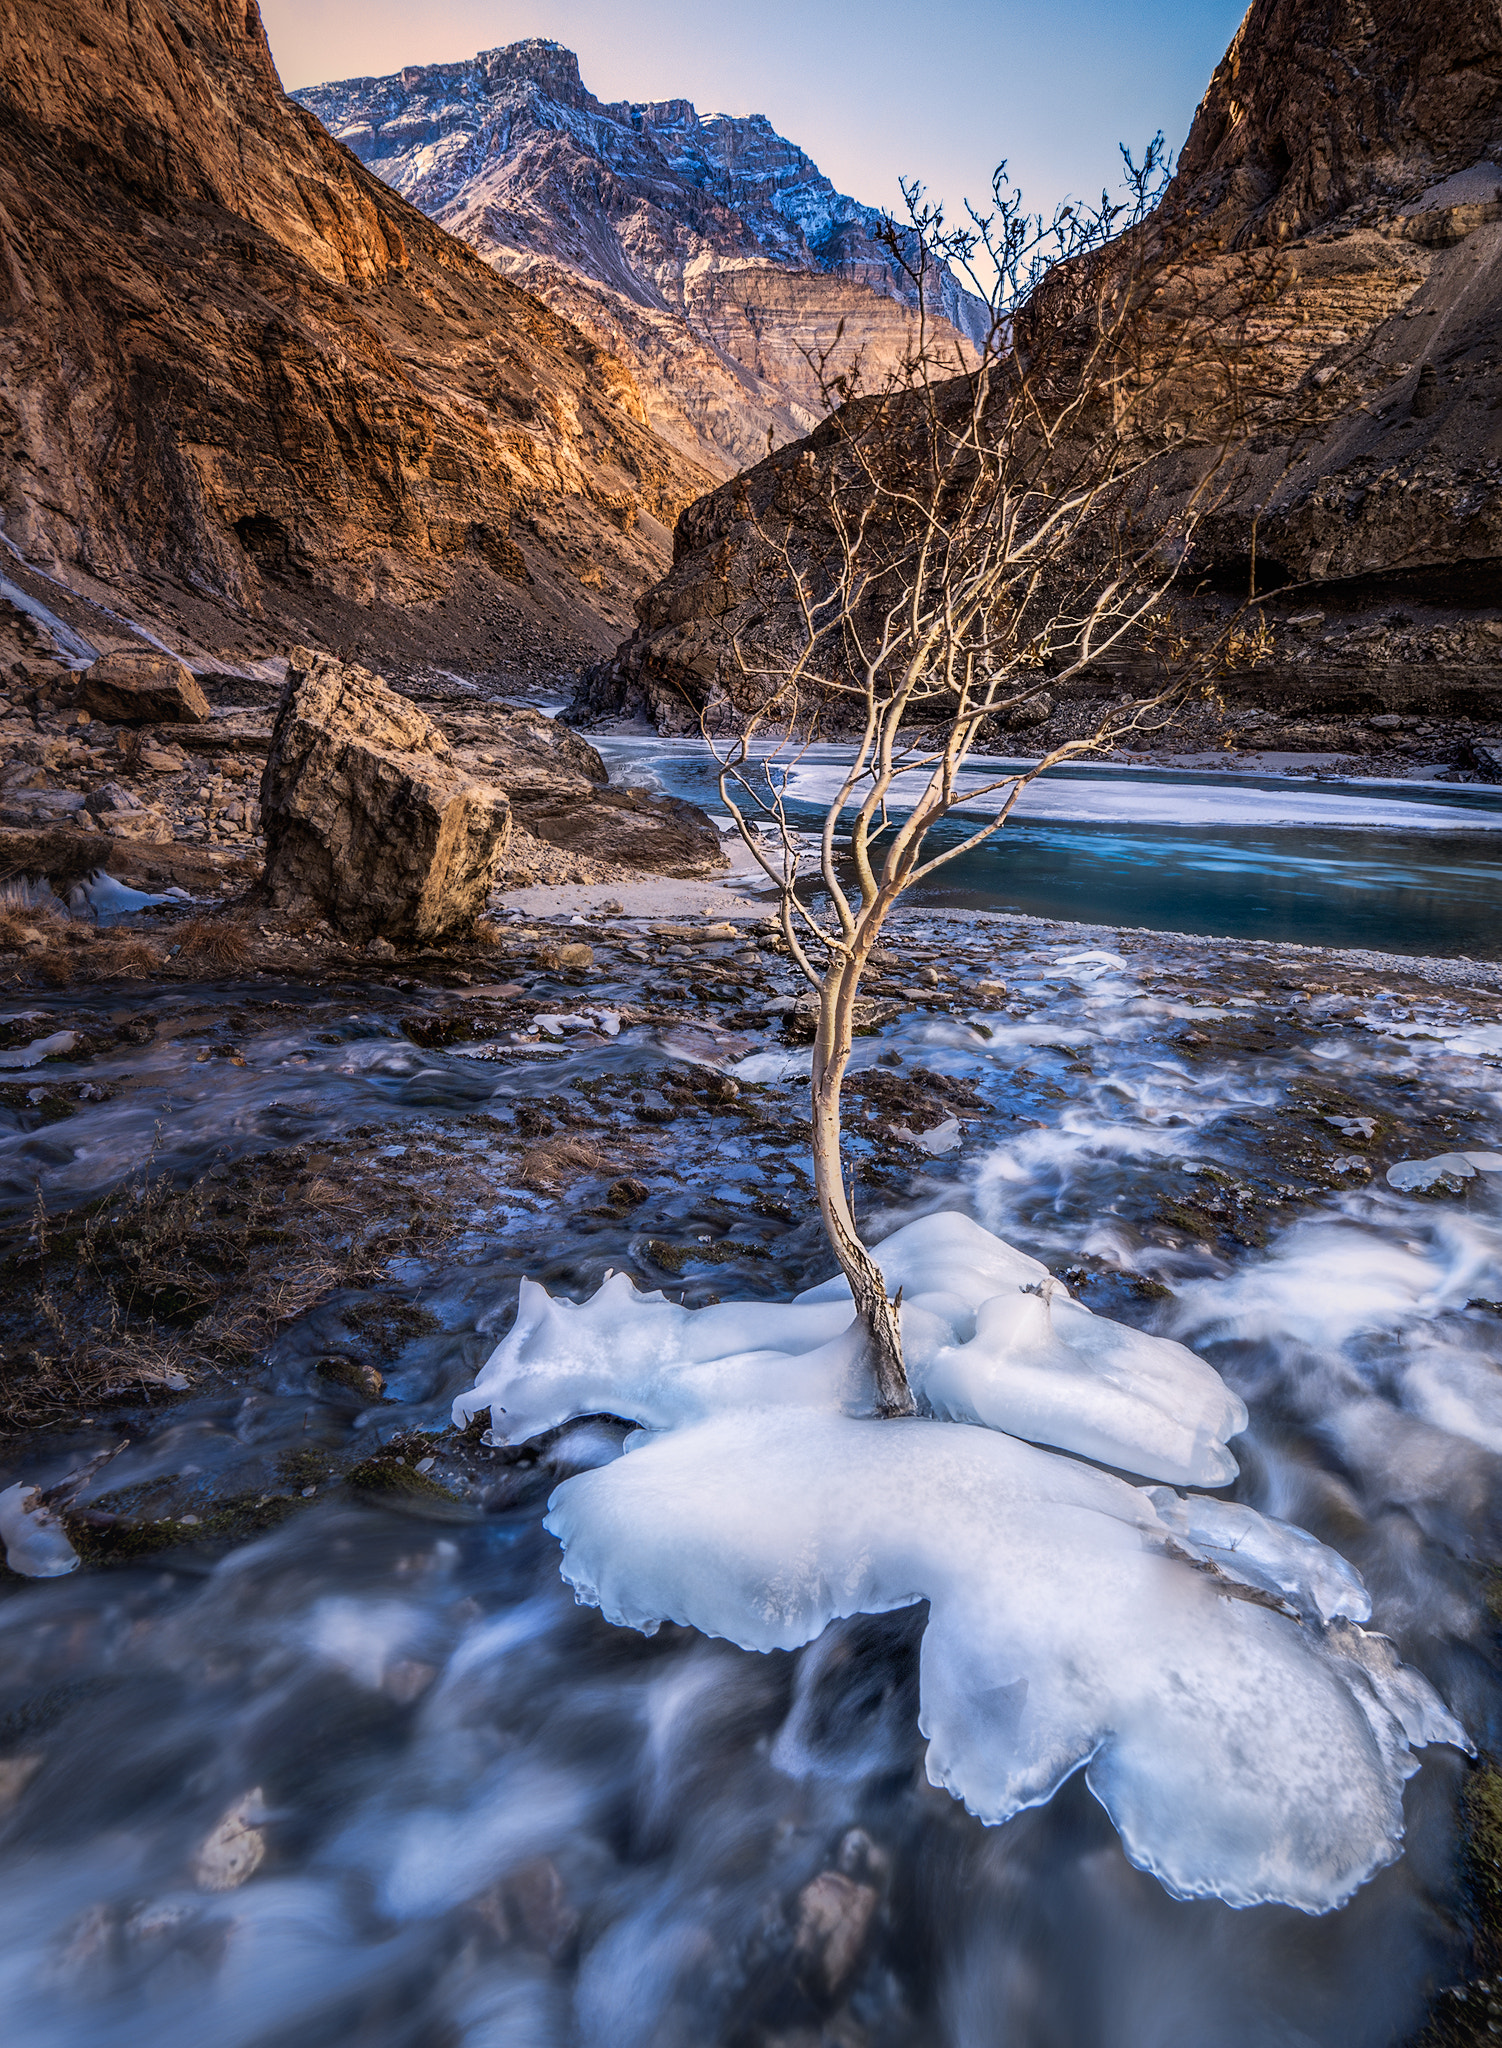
x,y
1399,867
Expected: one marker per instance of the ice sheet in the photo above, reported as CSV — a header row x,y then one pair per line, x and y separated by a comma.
x,y
1200,1661
1146,800
1240,1752
981,1345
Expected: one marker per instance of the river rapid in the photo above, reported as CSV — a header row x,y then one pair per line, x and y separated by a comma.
x,y
318,1749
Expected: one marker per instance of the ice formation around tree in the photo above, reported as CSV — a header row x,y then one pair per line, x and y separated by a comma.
x,y
1204,1664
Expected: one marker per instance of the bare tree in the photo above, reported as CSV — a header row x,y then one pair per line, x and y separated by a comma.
x,y
988,524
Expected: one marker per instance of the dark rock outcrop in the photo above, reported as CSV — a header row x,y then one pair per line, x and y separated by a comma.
x,y
369,821
143,689
247,393
1361,145
663,835
711,254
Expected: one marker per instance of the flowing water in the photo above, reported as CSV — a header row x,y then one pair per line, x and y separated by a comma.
x,y
370,1777
1401,867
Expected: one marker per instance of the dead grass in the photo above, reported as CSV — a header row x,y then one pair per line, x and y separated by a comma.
x,y
213,944
556,1162
124,956
31,918
154,1286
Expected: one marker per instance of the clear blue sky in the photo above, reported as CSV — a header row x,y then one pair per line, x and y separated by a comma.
x,y
870,88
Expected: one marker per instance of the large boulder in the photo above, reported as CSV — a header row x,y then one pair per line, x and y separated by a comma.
x,y
663,835
138,686
368,818
533,756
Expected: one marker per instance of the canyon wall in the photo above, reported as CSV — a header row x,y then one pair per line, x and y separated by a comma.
x,y
248,393
708,252
1356,148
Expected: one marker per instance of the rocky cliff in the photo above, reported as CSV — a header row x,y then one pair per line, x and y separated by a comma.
x,y
1362,141
705,250
249,394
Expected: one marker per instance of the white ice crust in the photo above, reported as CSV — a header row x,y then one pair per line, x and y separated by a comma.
x,y
988,1336
35,1543
1203,1663
1409,1175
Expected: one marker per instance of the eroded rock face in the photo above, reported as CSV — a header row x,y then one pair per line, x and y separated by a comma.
x,y
251,390
129,688
711,254
1357,148
533,756
369,821
663,835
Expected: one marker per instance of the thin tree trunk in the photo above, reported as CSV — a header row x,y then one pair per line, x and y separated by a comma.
x,y
877,1311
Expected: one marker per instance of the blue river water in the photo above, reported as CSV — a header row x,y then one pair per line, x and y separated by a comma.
x,y
1399,867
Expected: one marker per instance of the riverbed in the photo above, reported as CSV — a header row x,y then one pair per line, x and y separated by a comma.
x,y
317,1747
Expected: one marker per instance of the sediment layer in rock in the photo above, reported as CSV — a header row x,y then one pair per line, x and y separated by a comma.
x,y
709,253
248,394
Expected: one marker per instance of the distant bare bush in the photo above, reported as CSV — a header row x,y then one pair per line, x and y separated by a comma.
x,y
213,944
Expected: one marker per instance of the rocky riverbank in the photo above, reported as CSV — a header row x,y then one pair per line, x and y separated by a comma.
x,y
590,1067
258,1227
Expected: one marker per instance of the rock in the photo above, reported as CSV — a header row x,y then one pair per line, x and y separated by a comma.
x,y
833,1915
111,797
143,822
142,687
236,1848
119,811
664,835
329,411
533,756
367,818
1482,764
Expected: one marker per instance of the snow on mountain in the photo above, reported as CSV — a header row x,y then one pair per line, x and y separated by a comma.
x,y
707,250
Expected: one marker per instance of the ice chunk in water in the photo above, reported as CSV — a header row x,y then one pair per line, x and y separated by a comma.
x,y
1239,1752
1048,1370
1200,1662
105,899
55,1046
1274,1555
1410,1175
644,1358
36,1544
979,1348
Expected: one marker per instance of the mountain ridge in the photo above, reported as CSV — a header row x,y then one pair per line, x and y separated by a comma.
x,y
1363,144
707,250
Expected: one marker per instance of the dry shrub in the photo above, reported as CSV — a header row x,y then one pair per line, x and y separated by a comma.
x,y
213,943
486,935
125,956
31,917
556,1162
25,931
